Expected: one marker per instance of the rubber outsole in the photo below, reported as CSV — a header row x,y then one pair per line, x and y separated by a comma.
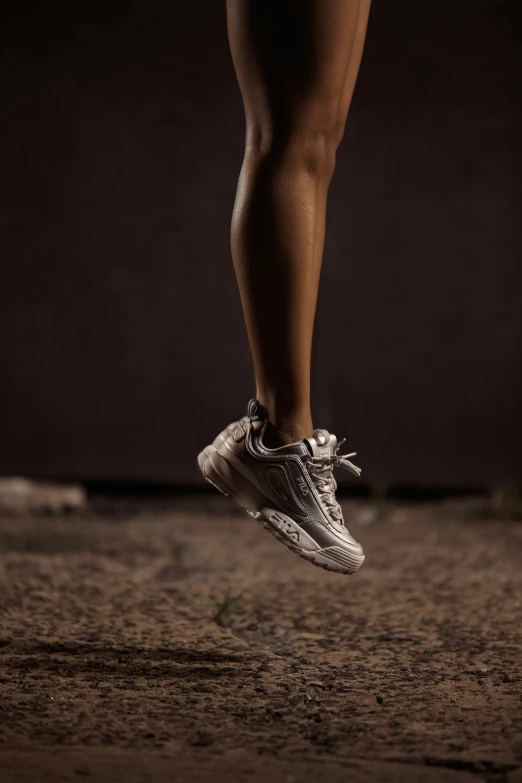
x,y
223,477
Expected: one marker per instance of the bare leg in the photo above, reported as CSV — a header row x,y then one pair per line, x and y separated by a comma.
x,y
296,64
349,85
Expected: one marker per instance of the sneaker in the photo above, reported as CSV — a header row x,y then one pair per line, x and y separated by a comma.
x,y
290,490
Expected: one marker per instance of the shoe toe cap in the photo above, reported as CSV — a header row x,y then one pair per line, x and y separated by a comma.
x,y
349,541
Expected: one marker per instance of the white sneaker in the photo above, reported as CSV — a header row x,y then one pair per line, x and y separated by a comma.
x,y
290,490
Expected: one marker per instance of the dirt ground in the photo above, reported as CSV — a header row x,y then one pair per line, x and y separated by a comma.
x,y
175,640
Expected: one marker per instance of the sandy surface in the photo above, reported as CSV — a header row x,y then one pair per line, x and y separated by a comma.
x,y
177,640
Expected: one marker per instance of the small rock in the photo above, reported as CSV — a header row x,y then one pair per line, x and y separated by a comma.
x,y
19,495
379,700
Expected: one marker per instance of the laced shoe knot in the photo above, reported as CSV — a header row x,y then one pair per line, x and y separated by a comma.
x,y
321,470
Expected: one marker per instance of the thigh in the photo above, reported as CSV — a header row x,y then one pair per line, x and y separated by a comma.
x,y
292,58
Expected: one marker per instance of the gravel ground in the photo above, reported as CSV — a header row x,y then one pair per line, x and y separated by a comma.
x,y
177,640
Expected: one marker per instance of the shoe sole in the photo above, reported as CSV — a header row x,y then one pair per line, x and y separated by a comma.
x,y
233,485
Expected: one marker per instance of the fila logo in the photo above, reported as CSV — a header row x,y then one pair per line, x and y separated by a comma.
x,y
301,483
285,527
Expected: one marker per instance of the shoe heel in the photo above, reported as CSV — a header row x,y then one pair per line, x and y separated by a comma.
x,y
231,483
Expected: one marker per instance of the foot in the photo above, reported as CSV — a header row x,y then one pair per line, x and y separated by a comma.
x,y
290,490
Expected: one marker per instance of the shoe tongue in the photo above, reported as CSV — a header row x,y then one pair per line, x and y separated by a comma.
x,y
322,444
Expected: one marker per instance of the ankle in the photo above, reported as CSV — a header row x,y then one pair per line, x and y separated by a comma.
x,y
290,419
283,432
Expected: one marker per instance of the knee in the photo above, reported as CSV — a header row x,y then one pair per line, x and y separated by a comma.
x,y
316,150
309,144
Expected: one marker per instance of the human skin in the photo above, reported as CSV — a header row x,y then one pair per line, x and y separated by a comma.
x,y
296,63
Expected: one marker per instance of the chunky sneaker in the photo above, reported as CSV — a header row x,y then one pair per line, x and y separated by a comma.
x,y
290,490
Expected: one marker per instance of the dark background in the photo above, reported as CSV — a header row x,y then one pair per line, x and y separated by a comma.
x,y
122,344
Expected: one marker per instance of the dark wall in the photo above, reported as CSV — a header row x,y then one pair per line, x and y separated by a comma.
x,y
121,335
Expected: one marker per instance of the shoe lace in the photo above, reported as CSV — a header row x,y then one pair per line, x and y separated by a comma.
x,y
321,471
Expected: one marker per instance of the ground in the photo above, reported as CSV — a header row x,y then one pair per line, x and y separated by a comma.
x,y
176,640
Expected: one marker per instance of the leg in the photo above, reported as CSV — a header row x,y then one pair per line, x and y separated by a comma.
x,y
296,64
349,85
